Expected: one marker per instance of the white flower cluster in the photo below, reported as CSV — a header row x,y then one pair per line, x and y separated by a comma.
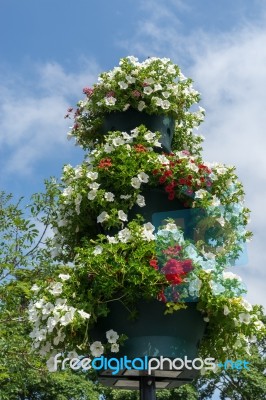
x,y
126,235
97,348
161,80
49,319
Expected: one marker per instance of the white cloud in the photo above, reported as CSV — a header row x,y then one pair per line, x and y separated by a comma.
x,y
229,70
32,124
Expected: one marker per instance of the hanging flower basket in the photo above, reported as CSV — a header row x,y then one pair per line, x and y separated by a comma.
x,y
128,120
153,333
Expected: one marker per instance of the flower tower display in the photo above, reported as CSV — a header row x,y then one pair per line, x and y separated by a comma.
x,y
145,230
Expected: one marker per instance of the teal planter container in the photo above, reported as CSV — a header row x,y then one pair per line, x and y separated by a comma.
x,y
154,334
130,119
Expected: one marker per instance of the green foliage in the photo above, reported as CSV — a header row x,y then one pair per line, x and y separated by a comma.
x,y
23,260
236,384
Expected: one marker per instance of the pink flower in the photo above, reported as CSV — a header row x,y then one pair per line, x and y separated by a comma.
x,y
136,93
88,91
110,94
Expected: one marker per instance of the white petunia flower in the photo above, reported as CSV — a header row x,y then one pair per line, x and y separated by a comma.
x,y
135,182
47,308
149,136
118,142
162,159
94,186
226,310
109,196
199,194
68,317
122,216
110,101
140,200
56,288
112,336
221,221
83,314
59,338
143,177
52,322
115,348
130,79
147,90
244,318
92,194
124,235
259,325
103,217
111,239
108,148
96,349
92,175
246,305
123,85
165,104
231,275
51,365
35,288
157,86
166,94
147,232
97,250
45,349
64,277
141,105
215,201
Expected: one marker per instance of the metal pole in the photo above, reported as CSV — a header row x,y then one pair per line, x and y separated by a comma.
x,y
147,388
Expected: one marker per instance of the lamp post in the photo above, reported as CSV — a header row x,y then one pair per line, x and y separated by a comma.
x,y
147,388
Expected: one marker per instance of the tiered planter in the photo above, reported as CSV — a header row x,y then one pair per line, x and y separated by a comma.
x,y
153,333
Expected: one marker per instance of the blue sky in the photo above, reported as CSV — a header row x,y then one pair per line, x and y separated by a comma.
x,y
51,49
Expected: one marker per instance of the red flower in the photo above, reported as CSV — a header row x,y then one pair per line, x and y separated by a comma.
x,y
162,179
182,181
171,195
173,266
169,188
161,296
153,264
187,265
174,279
168,173
105,163
140,148
174,270
173,250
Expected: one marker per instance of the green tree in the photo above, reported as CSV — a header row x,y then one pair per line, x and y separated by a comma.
x,y
24,255
236,384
